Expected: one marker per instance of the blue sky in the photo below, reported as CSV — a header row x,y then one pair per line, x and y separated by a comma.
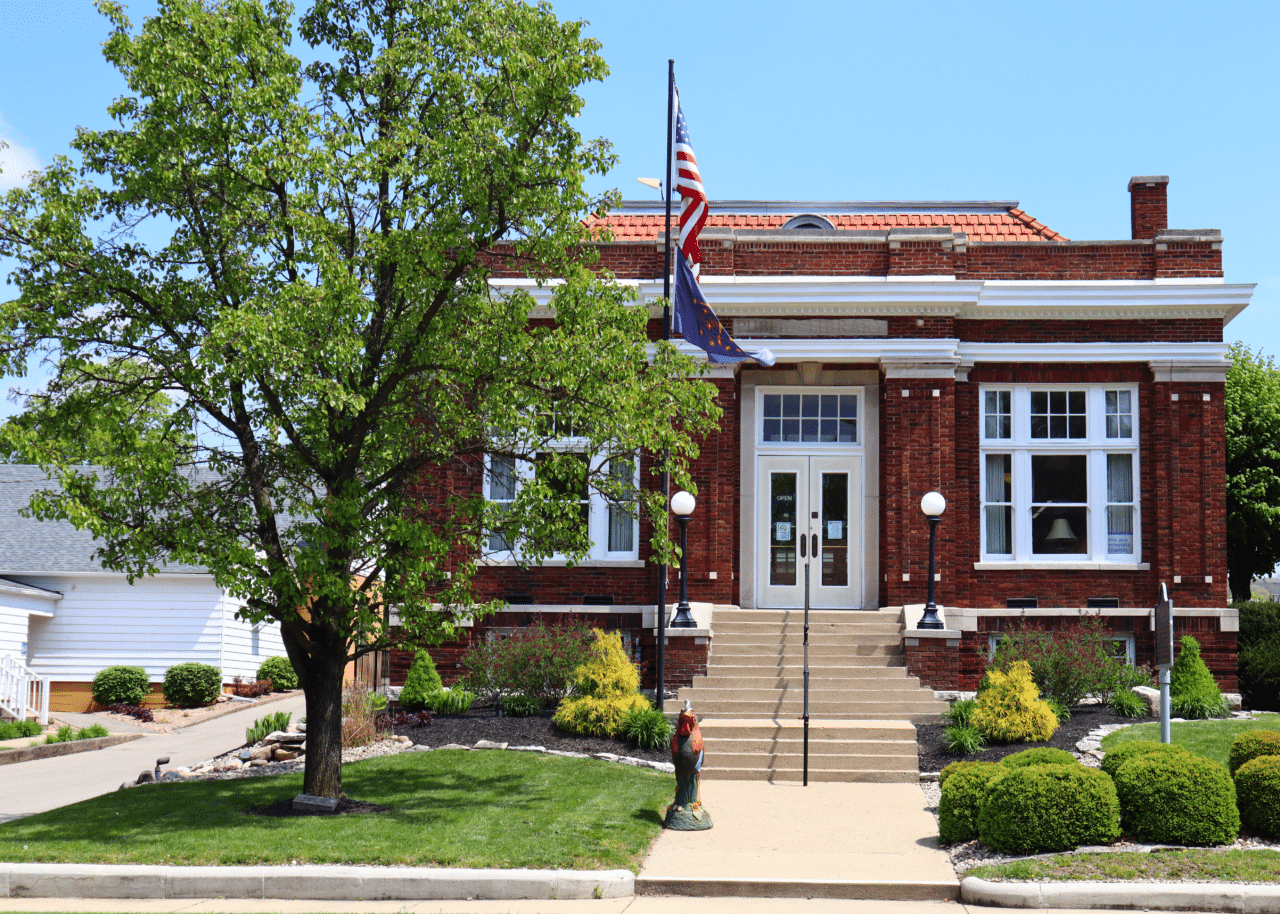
x,y
1050,105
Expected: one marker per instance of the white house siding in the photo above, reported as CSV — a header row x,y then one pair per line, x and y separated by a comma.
x,y
245,645
103,621
15,608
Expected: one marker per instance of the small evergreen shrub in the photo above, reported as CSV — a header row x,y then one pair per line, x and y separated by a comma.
x,y
451,701
960,712
1041,755
521,706
1259,666
605,690
1010,710
1258,795
281,673
953,768
1171,798
647,728
1193,694
963,740
1040,808
1126,703
121,685
1249,745
421,684
962,793
192,685
1116,757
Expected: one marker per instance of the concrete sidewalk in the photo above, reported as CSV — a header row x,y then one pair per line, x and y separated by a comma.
x,y
44,784
827,840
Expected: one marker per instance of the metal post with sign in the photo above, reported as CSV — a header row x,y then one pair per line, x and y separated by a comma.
x,y
1164,657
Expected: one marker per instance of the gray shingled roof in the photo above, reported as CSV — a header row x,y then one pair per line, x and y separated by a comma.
x,y
30,546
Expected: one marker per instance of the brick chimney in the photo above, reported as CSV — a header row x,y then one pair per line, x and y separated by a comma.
x,y
1148,205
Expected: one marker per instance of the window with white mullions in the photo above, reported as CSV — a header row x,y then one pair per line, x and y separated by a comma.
x,y
605,511
1059,473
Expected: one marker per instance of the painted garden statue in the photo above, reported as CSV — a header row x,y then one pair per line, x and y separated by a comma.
x,y
685,812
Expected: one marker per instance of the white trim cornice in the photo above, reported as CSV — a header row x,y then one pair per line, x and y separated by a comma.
x,y
932,296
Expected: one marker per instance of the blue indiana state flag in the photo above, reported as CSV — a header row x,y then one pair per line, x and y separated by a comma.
x,y
699,325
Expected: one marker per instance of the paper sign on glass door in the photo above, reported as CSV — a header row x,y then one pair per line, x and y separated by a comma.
x,y
783,531
835,529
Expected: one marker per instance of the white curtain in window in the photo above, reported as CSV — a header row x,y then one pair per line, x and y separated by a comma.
x,y
622,526
1120,516
998,541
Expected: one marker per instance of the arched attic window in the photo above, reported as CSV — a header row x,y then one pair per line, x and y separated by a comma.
x,y
808,221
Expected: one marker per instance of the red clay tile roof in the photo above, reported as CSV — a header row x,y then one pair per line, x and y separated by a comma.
x,y
1010,225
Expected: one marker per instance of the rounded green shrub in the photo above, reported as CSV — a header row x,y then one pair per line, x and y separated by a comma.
x,y
1248,746
1116,757
962,793
521,706
1049,808
954,768
1010,709
1167,798
1193,693
605,691
1258,795
421,684
1041,755
121,685
281,673
192,685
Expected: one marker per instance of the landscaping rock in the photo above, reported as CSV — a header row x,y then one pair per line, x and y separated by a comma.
x,y
280,736
285,755
456,746
304,802
262,751
146,777
404,740
488,744
1152,697
258,763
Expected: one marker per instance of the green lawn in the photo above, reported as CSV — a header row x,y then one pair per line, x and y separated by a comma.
x,y
1199,865
1209,738
455,809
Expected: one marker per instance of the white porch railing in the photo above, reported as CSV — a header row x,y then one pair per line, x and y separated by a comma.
x,y
22,692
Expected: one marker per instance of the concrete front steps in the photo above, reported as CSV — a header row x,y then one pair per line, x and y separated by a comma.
x,y
862,703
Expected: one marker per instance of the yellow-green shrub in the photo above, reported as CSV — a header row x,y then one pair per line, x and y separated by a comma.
x,y
605,690
1010,710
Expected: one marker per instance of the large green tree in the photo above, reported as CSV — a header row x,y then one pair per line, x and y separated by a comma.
x,y
301,256
1253,468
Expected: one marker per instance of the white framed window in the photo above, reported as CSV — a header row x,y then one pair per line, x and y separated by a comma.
x,y
808,418
608,516
1059,473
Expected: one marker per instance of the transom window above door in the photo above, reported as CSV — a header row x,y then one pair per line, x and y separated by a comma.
x,y
809,418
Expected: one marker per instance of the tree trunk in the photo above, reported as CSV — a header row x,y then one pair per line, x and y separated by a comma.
x,y
1239,580
320,675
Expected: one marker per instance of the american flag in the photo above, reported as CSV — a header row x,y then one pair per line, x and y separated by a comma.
x,y
693,199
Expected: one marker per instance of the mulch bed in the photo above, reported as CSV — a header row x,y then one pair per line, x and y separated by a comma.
x,y
284,809
933,757
482,723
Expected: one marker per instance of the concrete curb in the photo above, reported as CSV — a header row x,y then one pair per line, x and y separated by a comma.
x,y
314,883
71,747
847,889
1234,898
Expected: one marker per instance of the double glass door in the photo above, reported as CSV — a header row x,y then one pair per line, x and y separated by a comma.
x,y
809,515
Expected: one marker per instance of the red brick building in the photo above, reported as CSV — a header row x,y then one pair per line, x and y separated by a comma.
x,y
1065,397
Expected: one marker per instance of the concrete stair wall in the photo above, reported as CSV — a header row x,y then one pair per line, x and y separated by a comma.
x,y
862,703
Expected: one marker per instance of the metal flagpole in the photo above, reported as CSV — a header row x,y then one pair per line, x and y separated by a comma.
x,y
661,682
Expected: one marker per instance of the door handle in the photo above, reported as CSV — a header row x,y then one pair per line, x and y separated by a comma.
x,y
815,545
803,541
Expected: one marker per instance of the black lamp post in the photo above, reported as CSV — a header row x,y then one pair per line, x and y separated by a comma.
x,y
933,504
682,505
